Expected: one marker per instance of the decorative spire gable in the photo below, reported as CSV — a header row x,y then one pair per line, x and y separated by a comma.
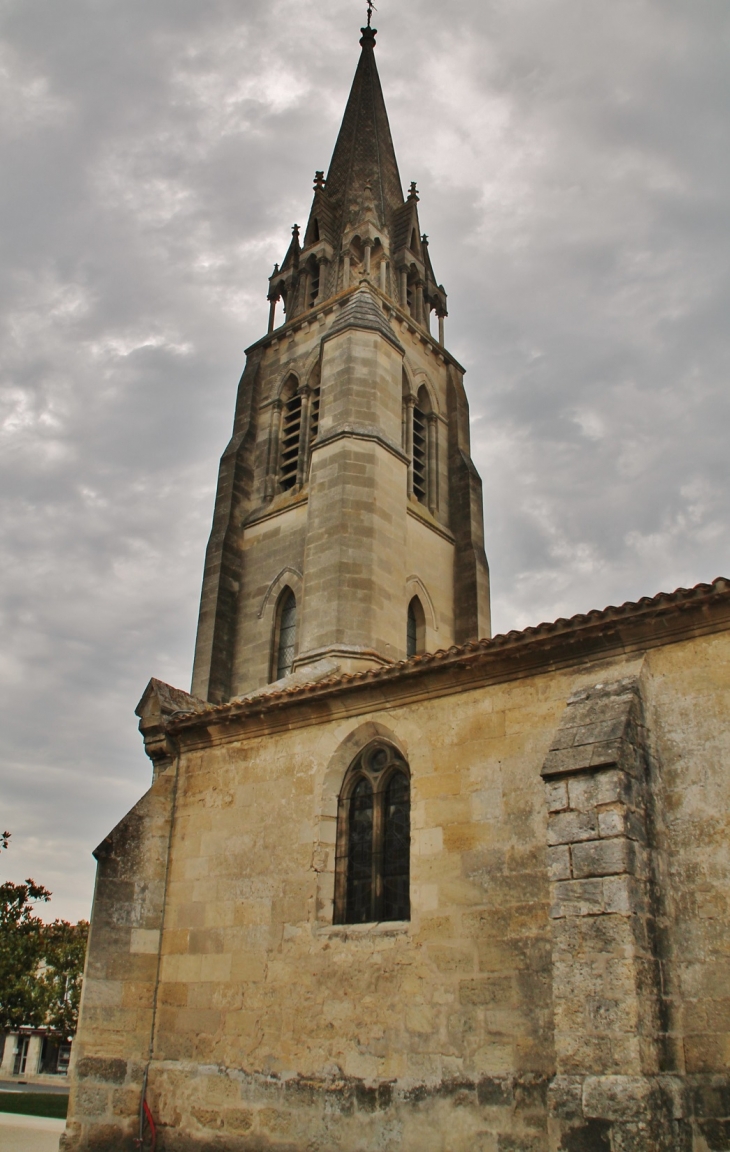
x,y
360,226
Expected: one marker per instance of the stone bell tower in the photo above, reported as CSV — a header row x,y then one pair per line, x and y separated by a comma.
x,y
348,526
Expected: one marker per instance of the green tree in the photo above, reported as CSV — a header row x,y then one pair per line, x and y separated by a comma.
x,y
64,951
41,965
23,999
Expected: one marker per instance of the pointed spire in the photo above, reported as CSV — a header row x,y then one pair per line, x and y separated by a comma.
x,y
364,152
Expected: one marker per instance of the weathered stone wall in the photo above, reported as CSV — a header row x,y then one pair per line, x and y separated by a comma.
x,y
505,1015
112,1048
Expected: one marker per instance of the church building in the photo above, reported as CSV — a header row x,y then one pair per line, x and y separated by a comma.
x,y
397,885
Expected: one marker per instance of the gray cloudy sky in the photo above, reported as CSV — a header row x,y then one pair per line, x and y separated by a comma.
x,y
573,162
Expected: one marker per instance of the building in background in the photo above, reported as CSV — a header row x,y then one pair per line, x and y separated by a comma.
x,y
34,1054
396,884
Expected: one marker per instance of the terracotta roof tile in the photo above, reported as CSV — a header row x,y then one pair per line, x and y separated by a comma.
x,y
678,600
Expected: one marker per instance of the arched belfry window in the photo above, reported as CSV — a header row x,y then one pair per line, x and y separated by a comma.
x,y
415,629
292,435
285,635
372,871
420,440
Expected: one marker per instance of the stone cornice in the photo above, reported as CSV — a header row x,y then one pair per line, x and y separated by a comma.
x,y
360,432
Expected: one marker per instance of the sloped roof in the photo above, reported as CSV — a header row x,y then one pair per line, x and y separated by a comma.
x,y
363,311
645,623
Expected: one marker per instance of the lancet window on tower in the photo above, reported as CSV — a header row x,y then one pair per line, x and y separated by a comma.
x,y
313,285
294,427
291,426
285,635
372,873
420,442
415,629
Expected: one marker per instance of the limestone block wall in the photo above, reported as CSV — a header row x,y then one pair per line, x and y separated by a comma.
x,y
112,1048
272,558
429,564
519,1008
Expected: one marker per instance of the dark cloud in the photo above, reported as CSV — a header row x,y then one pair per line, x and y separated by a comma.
x,y
573,166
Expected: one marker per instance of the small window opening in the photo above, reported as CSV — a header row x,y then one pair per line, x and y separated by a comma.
x,y
315,231
372,875
287,634
313,287
291,429
412,643
314,416
416,629
419,454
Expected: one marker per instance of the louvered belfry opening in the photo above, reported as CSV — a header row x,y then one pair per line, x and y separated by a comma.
x,y
372,875
419,454
286,634
314,416
313,287
290,433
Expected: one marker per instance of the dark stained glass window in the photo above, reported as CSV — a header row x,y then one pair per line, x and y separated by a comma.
x,y
412,638
360,854
372,874
397,848
287,634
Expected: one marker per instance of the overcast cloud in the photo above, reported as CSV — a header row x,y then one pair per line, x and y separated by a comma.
x,y
573,163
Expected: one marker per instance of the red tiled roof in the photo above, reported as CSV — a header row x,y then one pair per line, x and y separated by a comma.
x,y
462,655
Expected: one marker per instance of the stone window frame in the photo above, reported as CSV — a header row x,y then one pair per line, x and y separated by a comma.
x,y
417,615
362,768
416,589
421,410
285,591
308,396
324,849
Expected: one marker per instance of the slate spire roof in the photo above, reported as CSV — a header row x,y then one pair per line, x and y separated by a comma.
x,y
364,152
360,205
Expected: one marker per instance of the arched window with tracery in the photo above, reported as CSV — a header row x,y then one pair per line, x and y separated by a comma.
x,y
372,869
285,635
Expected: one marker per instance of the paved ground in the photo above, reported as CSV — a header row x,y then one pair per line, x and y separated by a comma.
x,y
29,1133
59,1085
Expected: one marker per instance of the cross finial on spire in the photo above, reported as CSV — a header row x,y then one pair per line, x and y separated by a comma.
x,y
371,9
